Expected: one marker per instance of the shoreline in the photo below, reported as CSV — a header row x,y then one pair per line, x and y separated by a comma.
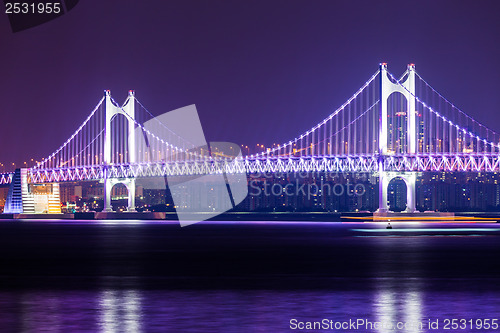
x,y
425,217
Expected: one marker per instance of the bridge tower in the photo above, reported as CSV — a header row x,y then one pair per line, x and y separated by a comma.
x,y
128,110
387,87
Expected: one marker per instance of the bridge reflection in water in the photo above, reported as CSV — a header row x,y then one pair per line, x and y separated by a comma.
x,y
132,310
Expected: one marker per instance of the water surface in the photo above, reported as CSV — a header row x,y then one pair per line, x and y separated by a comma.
x,y
89,276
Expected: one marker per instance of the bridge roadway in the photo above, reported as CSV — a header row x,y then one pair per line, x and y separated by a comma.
x,y
482,162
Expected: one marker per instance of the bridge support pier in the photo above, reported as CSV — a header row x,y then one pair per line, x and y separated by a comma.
x,y
410,179
108,186
128,110
131,195
407,89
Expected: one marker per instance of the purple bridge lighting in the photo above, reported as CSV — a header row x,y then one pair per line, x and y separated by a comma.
x,y
394,127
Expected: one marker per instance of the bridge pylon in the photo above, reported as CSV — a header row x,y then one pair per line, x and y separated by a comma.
x,y
407,89
128,110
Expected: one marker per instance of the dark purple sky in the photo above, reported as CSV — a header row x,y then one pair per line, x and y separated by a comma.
x,y
258,71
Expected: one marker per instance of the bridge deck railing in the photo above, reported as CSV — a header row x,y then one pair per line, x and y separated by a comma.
x,y
484,162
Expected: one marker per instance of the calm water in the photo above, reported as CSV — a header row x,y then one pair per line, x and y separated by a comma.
x,y
247,277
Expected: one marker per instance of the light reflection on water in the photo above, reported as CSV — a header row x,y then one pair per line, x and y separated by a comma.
x,y
134,310
120,311
392,307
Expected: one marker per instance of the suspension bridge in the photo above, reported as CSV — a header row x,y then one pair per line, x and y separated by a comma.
x,y
392,126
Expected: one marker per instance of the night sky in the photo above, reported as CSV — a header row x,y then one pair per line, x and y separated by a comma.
x,y
258,71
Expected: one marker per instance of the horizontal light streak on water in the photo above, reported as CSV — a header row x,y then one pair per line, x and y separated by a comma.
x,y
420,236
429,219
429,230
